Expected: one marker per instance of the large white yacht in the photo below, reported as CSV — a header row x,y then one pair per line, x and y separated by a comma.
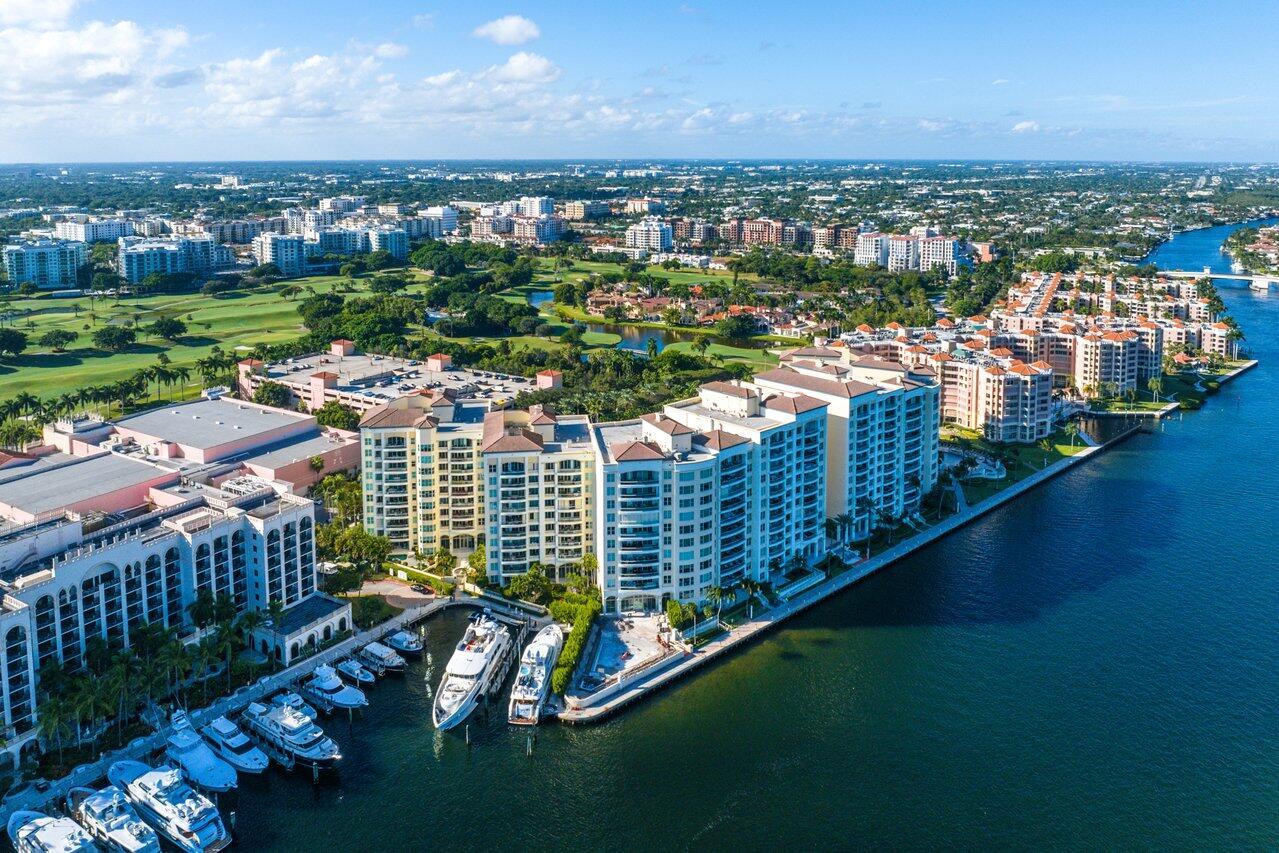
x,y
471,670
292,700
175,809
326,689
111,820
533,681
234,747
36,832
198,762
292,734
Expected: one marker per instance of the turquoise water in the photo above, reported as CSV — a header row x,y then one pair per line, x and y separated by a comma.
x,y
1096,666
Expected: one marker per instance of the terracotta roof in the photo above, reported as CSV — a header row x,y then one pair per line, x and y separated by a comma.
x,y
549,373
635,451
728,389
670,426
879,364
325,374
343,341
717,439
793,404
397,417
833,387
252,362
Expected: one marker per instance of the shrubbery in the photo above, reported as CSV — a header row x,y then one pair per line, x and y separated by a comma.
x,y
583,616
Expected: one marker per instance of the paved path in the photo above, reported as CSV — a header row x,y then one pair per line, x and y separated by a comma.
x,y
749,630
141,748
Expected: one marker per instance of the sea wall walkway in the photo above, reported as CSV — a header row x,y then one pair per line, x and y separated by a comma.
x,y
592,712
140,748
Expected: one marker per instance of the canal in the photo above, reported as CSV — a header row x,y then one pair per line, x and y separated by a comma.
x,y
1093,666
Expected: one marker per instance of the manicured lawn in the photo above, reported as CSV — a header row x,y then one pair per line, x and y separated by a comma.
x,y
370,610
760,358
244,319
1024,460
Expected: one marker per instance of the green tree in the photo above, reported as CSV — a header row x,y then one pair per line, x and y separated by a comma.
x,y
168,328
337,415
532,586
114,338
57,339
12,342
271,394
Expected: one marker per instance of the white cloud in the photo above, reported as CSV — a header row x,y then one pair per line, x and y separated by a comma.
x,y
999,82
525,67
511,29
390,50
1026,126
37,13
425,21
45,66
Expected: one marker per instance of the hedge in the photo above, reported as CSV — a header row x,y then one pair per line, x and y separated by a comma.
x,y
582,619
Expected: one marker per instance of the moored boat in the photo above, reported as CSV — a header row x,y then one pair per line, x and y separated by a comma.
x,y
471,670
290,736
289,699
234,747
172,807
382,658
533,681
111,820
37,832
199,763
405,643
354,672
327,690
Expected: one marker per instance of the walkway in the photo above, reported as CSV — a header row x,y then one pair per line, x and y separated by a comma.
x,y
140,748
666,675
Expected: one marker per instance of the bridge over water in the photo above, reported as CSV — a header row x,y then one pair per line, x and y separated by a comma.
x,y
1256,282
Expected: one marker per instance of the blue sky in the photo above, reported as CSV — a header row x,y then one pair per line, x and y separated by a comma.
x,y
104,80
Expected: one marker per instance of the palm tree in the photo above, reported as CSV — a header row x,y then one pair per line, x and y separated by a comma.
x,y
122,675
26,402
54,715
832,528
181,375
1072,430
716,595
225,640
1156,386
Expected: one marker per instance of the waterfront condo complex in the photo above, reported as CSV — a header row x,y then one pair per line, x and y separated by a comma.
x,y
109,526
728,485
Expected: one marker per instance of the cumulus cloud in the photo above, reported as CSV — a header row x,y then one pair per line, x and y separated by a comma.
x,y
1026,126
390,50
525,67
37,13
509,29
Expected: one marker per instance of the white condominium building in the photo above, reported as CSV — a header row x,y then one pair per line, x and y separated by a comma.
x,y
139,257
871,248
48,264
286,251
538,488
939,252
650,233
444,218
393,241
684,504
537,205
883,421
903,253
92,230
423,472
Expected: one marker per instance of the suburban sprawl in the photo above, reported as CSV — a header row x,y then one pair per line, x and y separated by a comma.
x,y
258,421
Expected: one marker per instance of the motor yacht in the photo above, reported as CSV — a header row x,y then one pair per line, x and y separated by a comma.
x,y
405,643
173,808
352,671
199,763
471,670
111,820
296,702
37,832
234,747
327,690
291,736
382,659
533,681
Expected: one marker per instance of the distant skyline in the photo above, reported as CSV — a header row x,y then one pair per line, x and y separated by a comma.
x,y
98,81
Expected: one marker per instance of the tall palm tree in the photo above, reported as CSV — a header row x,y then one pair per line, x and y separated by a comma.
x,y
1072,430
716,595
26,402
122,676
54,716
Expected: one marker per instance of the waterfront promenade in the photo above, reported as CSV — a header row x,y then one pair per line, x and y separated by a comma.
x,y
612,701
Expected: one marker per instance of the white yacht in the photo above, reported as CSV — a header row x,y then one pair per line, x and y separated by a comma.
x,y
352,671
471,670
533,681
234,747
291,734
111,820
326,689
199,763
405,643
381,658
36,832
292,700
175,809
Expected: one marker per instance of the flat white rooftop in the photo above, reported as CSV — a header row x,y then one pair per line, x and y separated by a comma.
x,y
208,423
